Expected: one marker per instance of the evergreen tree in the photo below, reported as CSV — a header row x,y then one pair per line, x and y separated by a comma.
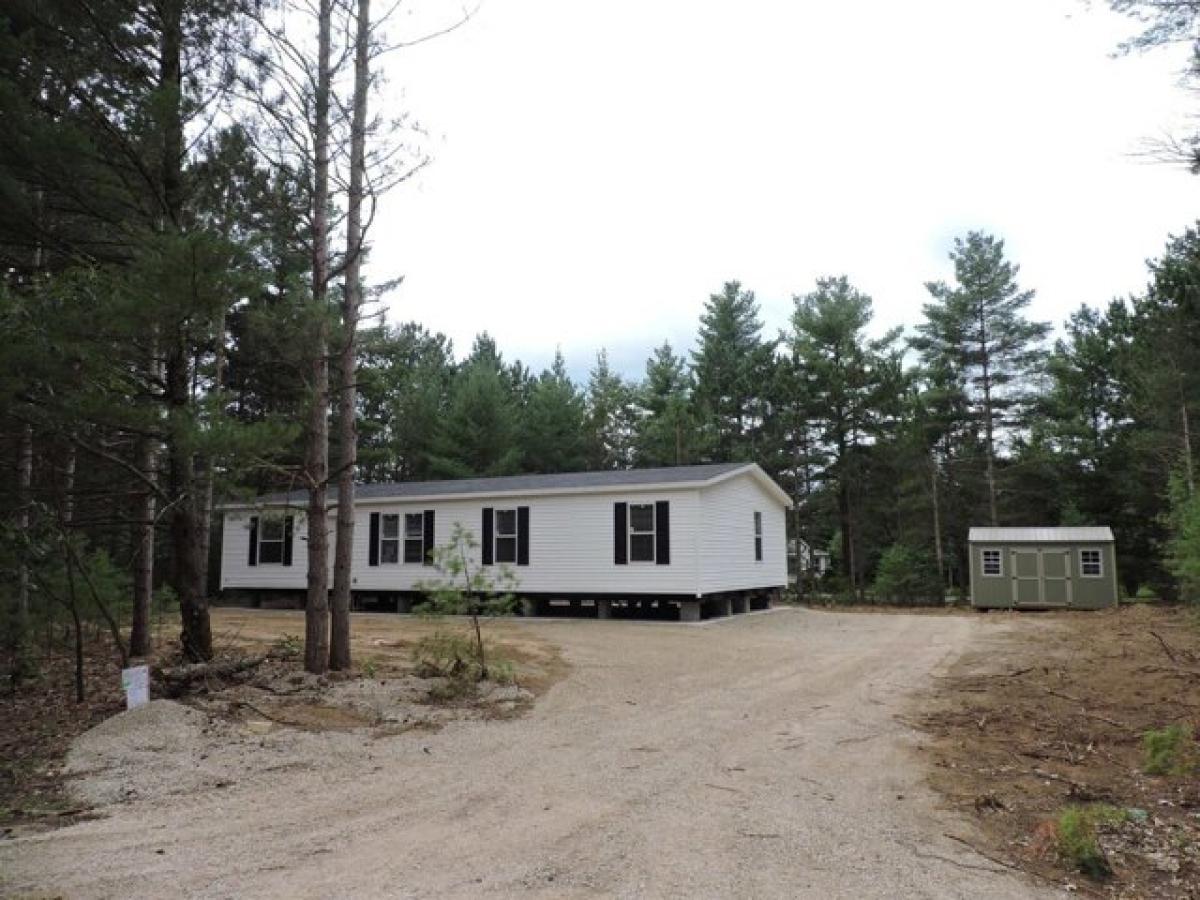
x,y
668,433
976,328
552,434
609,418
478,435
730,367
854,385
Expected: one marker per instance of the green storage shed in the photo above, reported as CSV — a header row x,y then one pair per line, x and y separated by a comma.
x,y
1043,568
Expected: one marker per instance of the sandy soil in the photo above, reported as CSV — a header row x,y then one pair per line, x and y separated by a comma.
x,y
764,756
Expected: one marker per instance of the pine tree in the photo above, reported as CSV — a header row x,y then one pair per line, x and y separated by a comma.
x,y
854,384
609,421
976,328
730,367
552,424
667,431
478,435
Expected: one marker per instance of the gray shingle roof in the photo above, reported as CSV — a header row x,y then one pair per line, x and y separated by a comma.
x,y
1072,534
676,476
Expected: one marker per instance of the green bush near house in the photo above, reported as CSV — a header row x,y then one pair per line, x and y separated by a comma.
x,y
908,575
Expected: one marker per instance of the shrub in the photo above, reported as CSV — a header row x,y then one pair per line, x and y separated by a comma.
x,y
1170,751
1183,547
1076,832
468,588
908,575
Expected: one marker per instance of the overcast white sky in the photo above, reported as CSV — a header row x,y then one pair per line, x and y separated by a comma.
x,y
600,168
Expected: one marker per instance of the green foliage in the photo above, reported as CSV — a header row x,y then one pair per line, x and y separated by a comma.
x,y
552,434
908,575
1076,830
1170,751
478,435
287,646
467,587
611,418
1183,547
731,364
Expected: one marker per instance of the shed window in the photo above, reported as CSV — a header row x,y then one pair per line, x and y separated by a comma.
x,y
641,532
506,535
389,538
758,537
414,538
992,566
1091,564
270,541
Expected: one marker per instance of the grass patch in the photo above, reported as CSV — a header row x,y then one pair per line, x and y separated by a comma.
x,y
1170,751
1077,829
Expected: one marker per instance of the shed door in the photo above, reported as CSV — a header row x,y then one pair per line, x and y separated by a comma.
x,y
1056,577
1026,578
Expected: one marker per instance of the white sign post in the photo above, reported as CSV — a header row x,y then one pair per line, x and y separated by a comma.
x,y
136,682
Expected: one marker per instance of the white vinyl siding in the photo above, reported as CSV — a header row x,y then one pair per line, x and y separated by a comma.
x,y
570,544
727,543
570,541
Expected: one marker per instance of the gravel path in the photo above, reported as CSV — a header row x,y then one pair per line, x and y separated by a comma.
x,y
755,757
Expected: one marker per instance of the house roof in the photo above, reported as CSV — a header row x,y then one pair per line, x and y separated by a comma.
x,y
1072,534
510,485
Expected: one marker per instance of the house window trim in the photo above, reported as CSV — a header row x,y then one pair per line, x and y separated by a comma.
x,y
398,539
652,533
1099,562
514,536
281,540
405,540
983,552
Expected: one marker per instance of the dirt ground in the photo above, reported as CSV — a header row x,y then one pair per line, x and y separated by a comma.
x,y
766,756
1052,714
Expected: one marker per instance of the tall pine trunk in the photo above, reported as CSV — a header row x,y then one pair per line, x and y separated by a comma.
x,y
316,618
143,560
339,654
187,570
936,496
24,501
988,423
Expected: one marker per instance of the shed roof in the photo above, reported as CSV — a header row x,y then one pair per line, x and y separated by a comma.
x,y
1070,534
564,482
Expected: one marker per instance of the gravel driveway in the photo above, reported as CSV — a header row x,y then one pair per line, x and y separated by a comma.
x,y
755,757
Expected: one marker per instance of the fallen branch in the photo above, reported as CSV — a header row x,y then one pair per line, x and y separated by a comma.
x,y
176,681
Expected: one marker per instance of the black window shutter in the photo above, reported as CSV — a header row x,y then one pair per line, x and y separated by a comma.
x,y
620,534
287,540
428,560
254,540
522,535
373,547
662,533
487,536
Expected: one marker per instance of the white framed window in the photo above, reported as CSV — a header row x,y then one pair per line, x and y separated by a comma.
x,y
270,541
757,537
389,538
506,536
641,532
1091,563
414,538
993,563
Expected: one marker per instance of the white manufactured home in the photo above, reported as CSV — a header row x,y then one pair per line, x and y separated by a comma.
x,y
706,539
